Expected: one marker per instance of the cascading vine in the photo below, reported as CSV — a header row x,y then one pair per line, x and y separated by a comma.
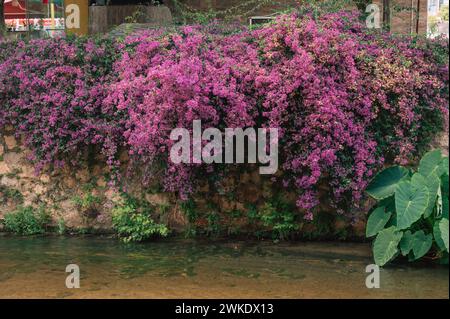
x,y
346,99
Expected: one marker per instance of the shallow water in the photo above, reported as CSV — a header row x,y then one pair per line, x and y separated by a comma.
x,y
35,268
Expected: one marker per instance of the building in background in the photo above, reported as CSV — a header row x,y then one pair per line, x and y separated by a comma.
x,y
38,18
438,20
47,17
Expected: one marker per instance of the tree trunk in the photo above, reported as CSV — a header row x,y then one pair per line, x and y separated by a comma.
x,y
2,16
387,14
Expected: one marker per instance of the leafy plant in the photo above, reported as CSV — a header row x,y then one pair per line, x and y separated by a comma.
x,y
133,221
27,221
411,217
108,93
137,16
279,217
189,208
86,201
214,227
61,226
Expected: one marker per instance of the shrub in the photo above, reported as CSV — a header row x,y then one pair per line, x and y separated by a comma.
x,y
61,226
280,218
27,221
346,100
411,216
133,225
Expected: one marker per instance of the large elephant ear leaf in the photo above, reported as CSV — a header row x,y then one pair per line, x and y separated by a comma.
x,y
421,244
377,220
444,185
406,243
444,167
385,183
431,163
433,184
440,232
410,203
444,194
445,207
444,259
385,246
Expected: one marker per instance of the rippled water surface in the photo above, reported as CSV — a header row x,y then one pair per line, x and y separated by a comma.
x,y
35,268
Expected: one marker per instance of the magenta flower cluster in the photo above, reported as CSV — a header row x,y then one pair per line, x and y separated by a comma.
x,y
345,99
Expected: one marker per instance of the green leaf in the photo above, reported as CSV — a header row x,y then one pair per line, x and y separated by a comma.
x,y
444,194
406,243
385,246
444,259
421,244
432,183
444,169
430,163
377,220
445,207
439,203
385,183
410,203
444,184
440,232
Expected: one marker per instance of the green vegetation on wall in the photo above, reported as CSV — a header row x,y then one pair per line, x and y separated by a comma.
x,y
133,222
27,221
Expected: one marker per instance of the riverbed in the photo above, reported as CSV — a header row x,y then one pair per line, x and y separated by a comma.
x,y
35,268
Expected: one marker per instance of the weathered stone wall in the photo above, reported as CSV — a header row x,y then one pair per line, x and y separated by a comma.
x,y
62,192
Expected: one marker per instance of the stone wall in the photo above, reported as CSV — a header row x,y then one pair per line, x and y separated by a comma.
x,y
62,193
67,195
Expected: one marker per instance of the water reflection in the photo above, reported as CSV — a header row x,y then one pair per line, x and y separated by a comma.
x,y
34,267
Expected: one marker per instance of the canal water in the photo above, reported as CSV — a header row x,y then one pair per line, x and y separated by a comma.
x,y
35,268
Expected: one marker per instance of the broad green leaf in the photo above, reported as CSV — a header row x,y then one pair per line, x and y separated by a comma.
x,y
445,207
406,243
385,183
385,246
418,179
410,203
432,183
421,244
430,163
437,236
444,169
444,184
440,232
438,204
377,220
444,259
444,194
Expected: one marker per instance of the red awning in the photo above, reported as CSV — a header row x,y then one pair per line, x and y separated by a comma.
x,y
15,9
